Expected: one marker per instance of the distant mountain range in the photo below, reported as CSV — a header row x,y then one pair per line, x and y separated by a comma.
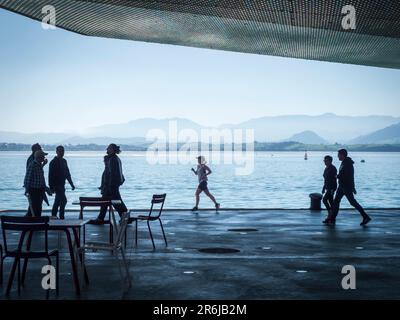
x,y
321,129
388,135
307,137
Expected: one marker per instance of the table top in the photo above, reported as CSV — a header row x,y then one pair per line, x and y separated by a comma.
x,y
68,223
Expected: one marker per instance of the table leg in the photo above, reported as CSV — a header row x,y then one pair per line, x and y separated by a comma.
x,y
73,263
78,245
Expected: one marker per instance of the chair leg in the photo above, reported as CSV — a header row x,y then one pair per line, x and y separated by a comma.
x,y
162,229
136,232
57,273
19,276
11,276
126,267
151,235
25,266
1,265
1,269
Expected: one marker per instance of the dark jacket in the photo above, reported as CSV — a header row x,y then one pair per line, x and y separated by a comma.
x,y
59,173
330,182
112,177
346,174
30,160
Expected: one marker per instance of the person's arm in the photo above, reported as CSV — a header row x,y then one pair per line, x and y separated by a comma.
x,y
114,172
208,170
51,175
69,179
194,171
28,178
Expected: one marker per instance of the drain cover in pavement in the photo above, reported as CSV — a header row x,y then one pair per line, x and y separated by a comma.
x,y
243,230
219,250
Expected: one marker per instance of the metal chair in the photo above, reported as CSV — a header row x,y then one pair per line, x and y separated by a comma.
x,y
97,202
1,264
26,225
116,246
157,199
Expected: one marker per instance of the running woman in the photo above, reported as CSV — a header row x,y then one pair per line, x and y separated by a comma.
x,y
202,172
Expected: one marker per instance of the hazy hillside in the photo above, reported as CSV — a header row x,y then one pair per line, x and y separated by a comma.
x,y
333,128
307,137
389,134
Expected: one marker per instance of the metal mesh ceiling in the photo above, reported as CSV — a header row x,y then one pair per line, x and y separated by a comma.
x,y
305,29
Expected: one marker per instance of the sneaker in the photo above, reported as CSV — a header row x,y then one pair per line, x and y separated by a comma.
x,y
53,218
217,206
365,221
195,209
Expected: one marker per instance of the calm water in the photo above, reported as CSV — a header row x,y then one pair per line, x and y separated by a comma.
x,y
281,180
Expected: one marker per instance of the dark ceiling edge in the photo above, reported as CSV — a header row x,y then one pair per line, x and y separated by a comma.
x,y
202,47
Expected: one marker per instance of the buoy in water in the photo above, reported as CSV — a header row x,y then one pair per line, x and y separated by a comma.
x,y
362,161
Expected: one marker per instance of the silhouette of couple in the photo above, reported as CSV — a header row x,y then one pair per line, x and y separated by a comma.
x,y
346,187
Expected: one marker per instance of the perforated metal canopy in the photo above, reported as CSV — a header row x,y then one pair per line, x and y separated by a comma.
x,y
306,29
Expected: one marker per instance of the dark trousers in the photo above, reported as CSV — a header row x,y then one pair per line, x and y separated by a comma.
x,y
112,195
37,197
328,199
344,192
60,202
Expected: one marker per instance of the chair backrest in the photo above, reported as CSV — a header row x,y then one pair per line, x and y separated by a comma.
x,y
93,202
160,200
120,228
24,225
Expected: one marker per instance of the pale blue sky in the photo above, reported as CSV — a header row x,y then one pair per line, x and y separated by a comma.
x,y
57,81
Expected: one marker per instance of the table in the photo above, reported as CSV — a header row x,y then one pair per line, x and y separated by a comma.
x,y
75,225
66,225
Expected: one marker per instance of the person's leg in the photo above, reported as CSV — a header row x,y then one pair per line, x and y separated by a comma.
x,y
28,212
336,202
56,204
197,195
121,208
37,200
103,209
325,201
208,194
63,203
355,204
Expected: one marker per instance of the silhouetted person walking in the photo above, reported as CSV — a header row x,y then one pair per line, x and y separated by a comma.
x,y
203,171
58,174
347,187
35,184
35,147
112,180
329,188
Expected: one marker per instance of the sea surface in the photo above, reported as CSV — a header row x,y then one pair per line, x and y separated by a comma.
x,y
279,180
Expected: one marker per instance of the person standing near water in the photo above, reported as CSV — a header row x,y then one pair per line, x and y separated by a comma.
x,y
58,174
112,180
330,186
347,187
202,172
35,184
35,147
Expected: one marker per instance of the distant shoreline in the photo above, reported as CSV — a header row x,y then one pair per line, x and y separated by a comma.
x,y
258,147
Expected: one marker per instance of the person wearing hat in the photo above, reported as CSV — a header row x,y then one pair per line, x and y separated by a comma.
x,y
58,174
112,180
202,173
35,147
35,184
